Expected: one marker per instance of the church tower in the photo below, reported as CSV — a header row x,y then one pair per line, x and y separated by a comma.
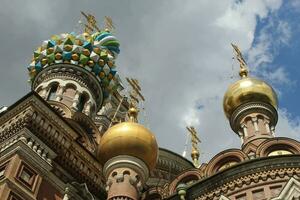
x,y
69,138
128,153
250,105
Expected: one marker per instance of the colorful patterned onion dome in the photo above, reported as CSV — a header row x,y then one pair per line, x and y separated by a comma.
x,y
96,53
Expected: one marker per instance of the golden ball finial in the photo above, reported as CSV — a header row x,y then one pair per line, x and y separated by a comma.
x,y
132,114
243,72
248,90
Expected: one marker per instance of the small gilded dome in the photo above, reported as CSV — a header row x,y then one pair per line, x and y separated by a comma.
x,y
248,90
129,138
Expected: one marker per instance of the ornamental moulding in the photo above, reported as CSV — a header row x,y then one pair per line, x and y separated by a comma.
x,y
33,114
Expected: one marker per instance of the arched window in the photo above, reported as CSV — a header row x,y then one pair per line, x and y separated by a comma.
x,y
188,180
227,162
227,165
82,100
52,92
280,152
280,149
69,94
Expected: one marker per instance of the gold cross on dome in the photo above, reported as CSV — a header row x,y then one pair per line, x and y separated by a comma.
x,y
108,23
194,138
91,24
135,93
241,60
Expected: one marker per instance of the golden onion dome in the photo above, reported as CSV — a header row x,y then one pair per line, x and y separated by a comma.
x,y
248,90
129,138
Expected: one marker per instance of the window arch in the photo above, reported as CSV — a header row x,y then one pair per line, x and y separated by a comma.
x,y
278,147
52,92
83,98
224,160
39,90
229,162
69,94
188,180
280,152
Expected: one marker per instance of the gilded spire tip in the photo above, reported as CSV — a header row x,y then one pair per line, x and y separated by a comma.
x,y
195,154
91,23
243,65
135,97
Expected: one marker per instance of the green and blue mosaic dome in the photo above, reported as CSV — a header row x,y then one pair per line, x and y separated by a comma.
x,y
94,52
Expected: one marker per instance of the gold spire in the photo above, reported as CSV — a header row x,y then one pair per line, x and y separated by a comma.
x,y
91,23
243,65
135,97
108,24
195,140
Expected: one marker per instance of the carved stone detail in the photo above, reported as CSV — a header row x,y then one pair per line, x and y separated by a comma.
x,y
35,115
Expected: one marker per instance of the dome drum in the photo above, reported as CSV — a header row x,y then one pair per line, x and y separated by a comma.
x,y
125,161
252,107
68,72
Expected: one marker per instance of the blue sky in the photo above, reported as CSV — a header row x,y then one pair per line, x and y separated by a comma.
x,y
285,54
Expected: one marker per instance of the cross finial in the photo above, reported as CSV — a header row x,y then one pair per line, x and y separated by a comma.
x,y
243,65
91,24
108,24
195,140
135,97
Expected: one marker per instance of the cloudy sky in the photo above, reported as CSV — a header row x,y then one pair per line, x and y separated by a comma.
x,y
179,50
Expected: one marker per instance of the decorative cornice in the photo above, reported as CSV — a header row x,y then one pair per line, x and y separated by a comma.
x,y
244,174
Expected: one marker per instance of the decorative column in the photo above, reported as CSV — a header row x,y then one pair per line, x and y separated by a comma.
x,y
87,109
181,191
60,92
254,121
76,100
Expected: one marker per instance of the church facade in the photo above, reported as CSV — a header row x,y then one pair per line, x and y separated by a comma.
x,y
75,136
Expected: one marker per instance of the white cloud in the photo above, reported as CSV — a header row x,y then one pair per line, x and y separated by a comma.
x,y
191,117
287,126
295,4
279,75
274,35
